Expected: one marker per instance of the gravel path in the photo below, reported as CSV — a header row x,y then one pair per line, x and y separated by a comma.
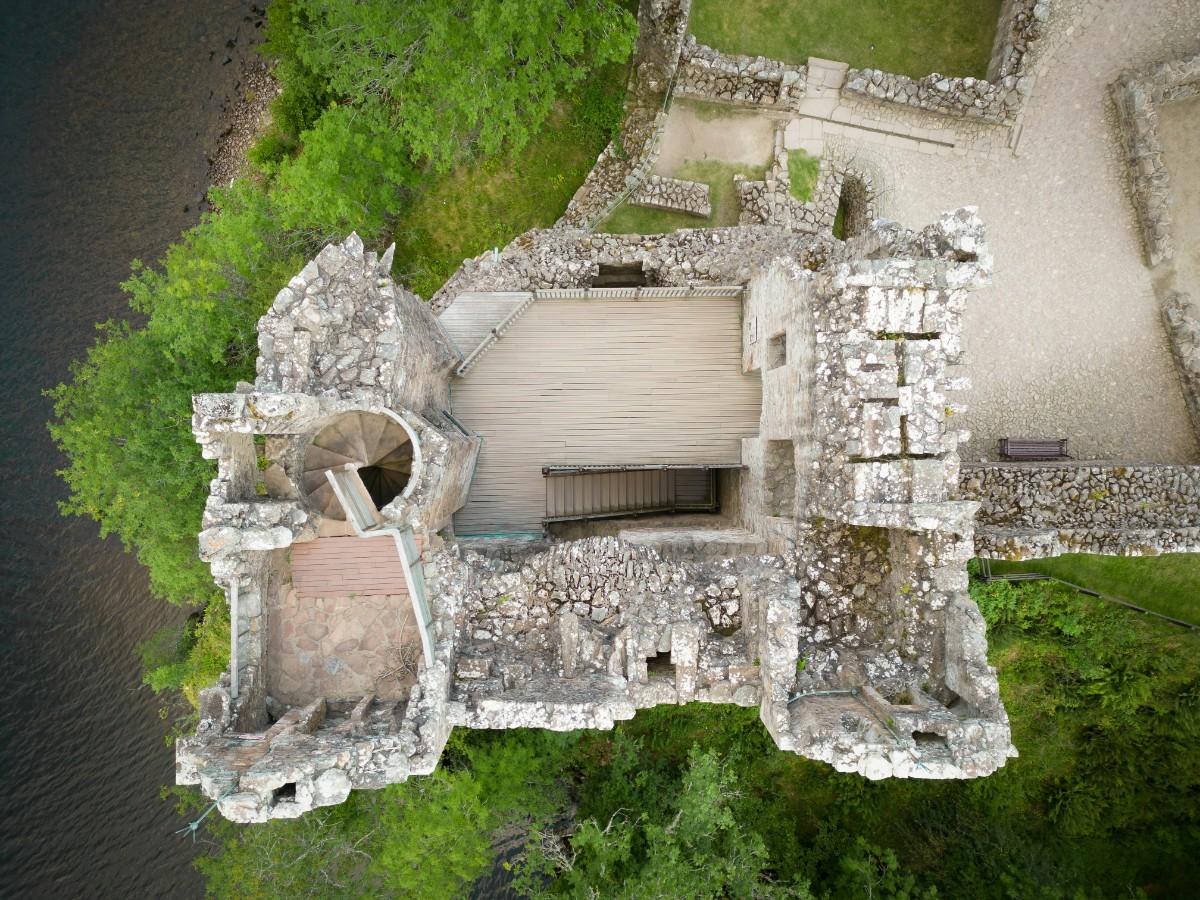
x,y
1068,341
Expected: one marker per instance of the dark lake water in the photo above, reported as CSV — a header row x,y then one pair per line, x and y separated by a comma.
x,y
109,110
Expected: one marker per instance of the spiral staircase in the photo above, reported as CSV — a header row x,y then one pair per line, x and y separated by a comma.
x,y
377,445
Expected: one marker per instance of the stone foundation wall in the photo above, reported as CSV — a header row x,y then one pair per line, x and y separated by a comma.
x,y
997,99
770,201
712,75
660,192
1137,96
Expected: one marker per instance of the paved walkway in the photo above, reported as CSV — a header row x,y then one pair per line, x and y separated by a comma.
x,y
1067,342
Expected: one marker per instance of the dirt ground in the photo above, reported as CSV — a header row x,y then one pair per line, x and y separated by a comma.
x,y
704,131
1179,130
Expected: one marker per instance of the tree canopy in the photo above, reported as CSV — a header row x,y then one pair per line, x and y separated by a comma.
x,y
460,77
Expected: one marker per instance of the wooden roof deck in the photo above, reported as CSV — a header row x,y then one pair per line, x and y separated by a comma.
x,y
602,381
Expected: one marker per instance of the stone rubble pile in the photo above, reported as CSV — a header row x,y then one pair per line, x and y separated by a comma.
x,y
661,192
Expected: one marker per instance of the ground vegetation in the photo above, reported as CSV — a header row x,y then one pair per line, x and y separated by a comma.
x,y
908,37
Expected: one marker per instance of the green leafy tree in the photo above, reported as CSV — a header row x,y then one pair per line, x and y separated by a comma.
x,y
124,419
698,849
459,77
351,176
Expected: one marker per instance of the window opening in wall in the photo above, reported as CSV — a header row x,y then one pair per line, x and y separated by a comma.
x,y
620,275
929,739
660,665
777,351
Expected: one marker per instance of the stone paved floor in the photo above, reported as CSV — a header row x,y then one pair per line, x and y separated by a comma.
x,y
338,647
1067,342
1179,130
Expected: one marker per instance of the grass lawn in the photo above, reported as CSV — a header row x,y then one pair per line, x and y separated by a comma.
x,y
908,37
1168,584
489,202
627,219
802,174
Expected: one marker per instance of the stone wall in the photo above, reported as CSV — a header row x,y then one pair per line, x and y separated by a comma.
x,y
712,75
568,258
853,632
1030,510
341,325
839,180
661,192
996,99
625,162
1182,320
1137,96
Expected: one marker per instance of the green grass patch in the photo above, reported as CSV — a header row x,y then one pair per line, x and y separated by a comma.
x,y
1168,584
802,174
627,219
908,37
489,202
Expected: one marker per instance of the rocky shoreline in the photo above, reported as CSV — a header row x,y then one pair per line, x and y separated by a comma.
x,y
244,119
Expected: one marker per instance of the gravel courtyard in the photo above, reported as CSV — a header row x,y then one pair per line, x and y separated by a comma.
x,y
1068,341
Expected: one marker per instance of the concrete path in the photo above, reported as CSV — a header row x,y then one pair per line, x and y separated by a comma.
x,y
1067,342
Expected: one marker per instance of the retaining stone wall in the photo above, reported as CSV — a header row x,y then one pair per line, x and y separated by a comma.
x,y
1030,510
1182,320
1137,96
996,100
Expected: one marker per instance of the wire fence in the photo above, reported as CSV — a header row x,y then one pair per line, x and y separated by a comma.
x,y
985,572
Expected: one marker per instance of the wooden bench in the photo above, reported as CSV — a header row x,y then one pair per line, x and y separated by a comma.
x,y
1013,448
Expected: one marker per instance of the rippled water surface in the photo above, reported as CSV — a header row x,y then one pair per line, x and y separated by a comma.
x,y
109,109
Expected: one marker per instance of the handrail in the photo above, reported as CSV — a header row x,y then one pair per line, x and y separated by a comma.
x,y
406,549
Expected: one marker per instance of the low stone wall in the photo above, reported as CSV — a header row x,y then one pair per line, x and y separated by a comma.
x,y
1182,320
1137,96
713,75
996,99
565,258
1030,510
660,192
